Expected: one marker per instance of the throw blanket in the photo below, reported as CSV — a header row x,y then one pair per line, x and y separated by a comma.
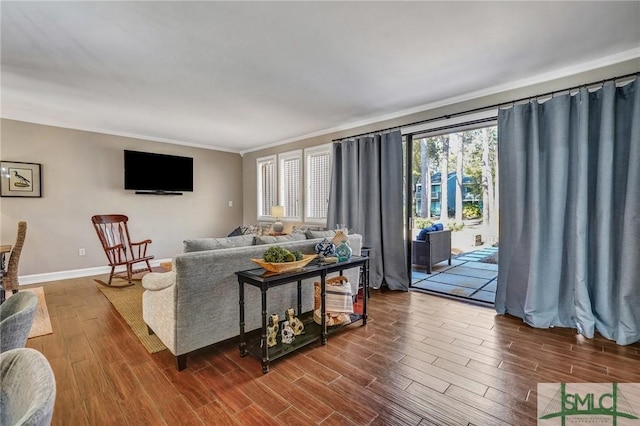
x,y
338,301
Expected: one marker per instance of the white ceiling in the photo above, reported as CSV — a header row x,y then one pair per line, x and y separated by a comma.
x,y
241,75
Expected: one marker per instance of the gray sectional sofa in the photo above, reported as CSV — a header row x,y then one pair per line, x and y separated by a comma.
x,y
196,304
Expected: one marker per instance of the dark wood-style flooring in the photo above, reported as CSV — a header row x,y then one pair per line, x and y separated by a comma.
x,y
420,360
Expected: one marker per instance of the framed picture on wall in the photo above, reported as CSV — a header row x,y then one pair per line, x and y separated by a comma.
x,y
20,179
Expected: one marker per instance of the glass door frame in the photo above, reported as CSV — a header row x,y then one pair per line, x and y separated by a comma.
x,y
408,220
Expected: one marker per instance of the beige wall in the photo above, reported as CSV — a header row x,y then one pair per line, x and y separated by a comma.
x,y
82,175
249,159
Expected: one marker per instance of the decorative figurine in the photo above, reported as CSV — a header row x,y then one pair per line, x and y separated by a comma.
x,y
294,322
288,336
272,330
343,251
325,248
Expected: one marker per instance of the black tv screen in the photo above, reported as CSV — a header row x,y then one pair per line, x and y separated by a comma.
x,y
145,171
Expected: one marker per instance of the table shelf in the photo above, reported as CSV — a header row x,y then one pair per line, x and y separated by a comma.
x,y
312,333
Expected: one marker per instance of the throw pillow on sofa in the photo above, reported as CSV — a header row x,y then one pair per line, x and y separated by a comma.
x,y
270,239
202,244
320,234
236,232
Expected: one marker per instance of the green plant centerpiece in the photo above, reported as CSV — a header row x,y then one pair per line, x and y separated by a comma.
x,y
277,254
279,259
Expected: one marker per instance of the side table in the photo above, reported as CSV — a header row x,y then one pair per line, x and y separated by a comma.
x,y
313,332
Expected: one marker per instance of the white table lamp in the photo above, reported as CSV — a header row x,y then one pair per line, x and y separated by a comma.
x,y
277,212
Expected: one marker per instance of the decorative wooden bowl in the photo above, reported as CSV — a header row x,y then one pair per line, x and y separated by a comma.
x,y
285,266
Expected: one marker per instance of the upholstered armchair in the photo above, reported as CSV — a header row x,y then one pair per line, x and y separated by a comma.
x,y
28,388
16,319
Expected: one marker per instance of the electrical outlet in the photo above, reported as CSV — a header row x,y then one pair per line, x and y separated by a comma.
x,y
81,252
230,203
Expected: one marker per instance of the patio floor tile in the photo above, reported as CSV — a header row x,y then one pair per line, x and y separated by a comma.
x,y
444,288
473,272
492,286
458,280
468,258
466,276
417,274
480,265
485,296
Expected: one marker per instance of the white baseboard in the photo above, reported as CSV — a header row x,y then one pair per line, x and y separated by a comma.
x,y
75,273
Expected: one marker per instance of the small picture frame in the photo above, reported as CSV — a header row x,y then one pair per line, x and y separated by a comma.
x,y
19,179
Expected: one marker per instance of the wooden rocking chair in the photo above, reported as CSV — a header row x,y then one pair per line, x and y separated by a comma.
x,y
113,233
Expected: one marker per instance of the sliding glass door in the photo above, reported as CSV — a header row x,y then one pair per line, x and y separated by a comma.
x,y
451,193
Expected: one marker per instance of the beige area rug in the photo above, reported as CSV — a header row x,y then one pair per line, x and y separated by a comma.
x,y
128,302
42,323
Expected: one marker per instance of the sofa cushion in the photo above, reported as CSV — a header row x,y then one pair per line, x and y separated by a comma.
x,y
202,244
304,228
270,239
320,234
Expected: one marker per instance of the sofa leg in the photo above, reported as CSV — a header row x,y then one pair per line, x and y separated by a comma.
x,y
150,331
181,362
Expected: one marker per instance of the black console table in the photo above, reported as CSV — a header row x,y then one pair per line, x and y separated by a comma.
x,y
313,332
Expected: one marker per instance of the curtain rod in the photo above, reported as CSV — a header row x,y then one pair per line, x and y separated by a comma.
x,y
480,109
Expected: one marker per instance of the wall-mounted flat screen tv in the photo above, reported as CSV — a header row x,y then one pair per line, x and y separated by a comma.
x,y
157,173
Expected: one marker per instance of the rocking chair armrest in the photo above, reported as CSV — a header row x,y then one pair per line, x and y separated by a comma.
x,y
155,281
141,243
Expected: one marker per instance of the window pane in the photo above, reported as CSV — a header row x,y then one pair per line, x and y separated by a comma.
x,y
318,184
291,176
267,193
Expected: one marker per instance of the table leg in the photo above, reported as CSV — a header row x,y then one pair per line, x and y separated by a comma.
x,y
323,308
243,343
299,312
365,292
263,336
366,273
